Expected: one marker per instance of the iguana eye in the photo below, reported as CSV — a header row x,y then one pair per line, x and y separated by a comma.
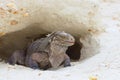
x,y
63,37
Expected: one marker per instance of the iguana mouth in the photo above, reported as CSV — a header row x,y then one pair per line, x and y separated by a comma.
x,y
69,41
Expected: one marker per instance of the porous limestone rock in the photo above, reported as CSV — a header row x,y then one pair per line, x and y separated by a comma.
x,y
23,20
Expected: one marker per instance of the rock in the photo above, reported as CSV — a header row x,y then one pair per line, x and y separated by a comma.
x,y
88,20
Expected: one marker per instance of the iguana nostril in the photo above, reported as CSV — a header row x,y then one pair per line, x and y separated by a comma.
x,y
72,39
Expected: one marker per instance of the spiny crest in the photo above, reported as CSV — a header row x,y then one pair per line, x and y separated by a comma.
x,y
55,33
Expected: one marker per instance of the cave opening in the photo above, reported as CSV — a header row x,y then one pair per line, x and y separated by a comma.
x,y
84,47
73,51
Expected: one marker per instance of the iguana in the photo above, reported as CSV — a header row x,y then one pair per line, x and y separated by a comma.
x,y
49,51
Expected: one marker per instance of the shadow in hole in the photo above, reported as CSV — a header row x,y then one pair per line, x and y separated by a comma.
x,y
74,51
19,39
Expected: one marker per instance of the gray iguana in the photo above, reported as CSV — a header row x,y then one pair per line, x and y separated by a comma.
x,y
48,52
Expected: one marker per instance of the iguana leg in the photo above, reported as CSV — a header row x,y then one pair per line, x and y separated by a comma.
x,y
67,61
42,59
12,60
32,64
17,57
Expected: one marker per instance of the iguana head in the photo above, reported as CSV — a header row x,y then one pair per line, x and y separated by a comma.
x,y
62,38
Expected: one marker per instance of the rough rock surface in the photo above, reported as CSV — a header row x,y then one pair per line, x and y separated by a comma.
x,y
21,22
95,22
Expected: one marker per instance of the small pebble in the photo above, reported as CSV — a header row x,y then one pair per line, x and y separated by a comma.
x,y
93,78
13,22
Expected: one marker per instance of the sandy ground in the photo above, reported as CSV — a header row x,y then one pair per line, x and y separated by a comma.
x,y
99,67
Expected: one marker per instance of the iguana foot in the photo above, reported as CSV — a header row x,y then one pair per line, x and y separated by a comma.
x,y
67,62
32,64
